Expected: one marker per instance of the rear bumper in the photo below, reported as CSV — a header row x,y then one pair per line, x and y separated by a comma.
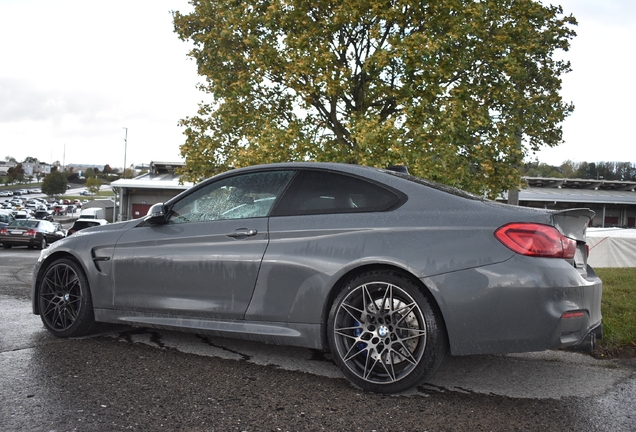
x,y
588,344
520,305
20,241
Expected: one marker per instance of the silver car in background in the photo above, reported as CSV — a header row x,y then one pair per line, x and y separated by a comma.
x,y
386,271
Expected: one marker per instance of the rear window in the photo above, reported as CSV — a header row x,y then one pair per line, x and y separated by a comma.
x,y
325,192
25,223
434,185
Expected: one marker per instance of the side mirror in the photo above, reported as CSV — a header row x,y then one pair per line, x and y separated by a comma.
x,y
156,214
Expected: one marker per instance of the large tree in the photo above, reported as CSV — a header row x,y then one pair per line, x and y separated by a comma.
x,y
93,184
458,90
54,183
16,173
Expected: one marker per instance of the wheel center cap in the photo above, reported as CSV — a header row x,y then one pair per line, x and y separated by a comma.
x,y
383,331
66,297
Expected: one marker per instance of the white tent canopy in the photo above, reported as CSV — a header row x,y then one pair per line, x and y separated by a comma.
x,y
612,247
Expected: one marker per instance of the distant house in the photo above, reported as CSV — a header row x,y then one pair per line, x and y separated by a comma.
x,y
32,169
136,195
4,167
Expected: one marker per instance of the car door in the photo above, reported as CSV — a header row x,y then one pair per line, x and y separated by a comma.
x,y
322,222
205,259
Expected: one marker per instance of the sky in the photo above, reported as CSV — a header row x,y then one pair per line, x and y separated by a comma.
x,y
100,82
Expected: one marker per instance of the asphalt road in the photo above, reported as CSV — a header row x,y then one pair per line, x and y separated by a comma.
x,y
141,379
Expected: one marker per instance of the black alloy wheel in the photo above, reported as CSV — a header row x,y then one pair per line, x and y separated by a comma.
x,y
386,335
64,297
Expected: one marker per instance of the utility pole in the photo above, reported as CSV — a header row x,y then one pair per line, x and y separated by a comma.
x,y
125,150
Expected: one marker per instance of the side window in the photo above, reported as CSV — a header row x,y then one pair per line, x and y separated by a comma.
x,y
320,192
237,197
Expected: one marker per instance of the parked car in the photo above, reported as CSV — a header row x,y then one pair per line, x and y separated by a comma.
x,y
59,209
386,271
22,214
81,224
58,227
43,215
6,217
32,233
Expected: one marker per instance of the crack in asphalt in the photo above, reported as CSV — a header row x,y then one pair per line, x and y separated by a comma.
x,y
155,337
205,339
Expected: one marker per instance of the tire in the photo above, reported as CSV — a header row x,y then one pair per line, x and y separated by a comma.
x,y
42,243
6,246
385,334
64,299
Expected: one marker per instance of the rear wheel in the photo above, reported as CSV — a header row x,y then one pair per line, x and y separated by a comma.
x,y
64,298
385,334
43,243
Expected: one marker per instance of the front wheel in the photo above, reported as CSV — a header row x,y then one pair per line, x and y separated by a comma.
x,y
64,298
385,334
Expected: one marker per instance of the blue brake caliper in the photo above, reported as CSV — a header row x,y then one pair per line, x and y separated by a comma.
x,y
357,332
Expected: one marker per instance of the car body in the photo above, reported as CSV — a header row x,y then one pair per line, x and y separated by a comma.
x,y
32,233
6,217
60,209
385,270
81,224
43,215
22,214
59,228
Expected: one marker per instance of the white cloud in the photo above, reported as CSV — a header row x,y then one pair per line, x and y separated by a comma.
x,y
78,72
601,84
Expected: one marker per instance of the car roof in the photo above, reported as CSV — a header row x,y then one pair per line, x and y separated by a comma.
x,y
385,176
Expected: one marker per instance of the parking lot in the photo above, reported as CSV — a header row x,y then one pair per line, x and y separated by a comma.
x,y
141,379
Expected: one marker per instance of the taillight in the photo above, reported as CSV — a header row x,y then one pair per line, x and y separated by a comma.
x,y
3,231
31,232
536,240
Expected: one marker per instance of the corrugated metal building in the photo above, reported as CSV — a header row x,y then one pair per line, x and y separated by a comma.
x,y
613,201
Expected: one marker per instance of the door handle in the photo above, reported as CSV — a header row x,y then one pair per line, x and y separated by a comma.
x,y
243,232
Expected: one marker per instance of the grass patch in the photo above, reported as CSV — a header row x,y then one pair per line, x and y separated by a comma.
x,y
618,307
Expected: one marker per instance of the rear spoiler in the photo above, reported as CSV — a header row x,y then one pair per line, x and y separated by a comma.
x,y
573,223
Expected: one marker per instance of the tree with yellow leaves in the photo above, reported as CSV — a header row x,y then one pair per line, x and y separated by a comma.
x,y
458,90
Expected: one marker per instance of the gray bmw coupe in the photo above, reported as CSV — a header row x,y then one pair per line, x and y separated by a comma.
x,y
386,271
